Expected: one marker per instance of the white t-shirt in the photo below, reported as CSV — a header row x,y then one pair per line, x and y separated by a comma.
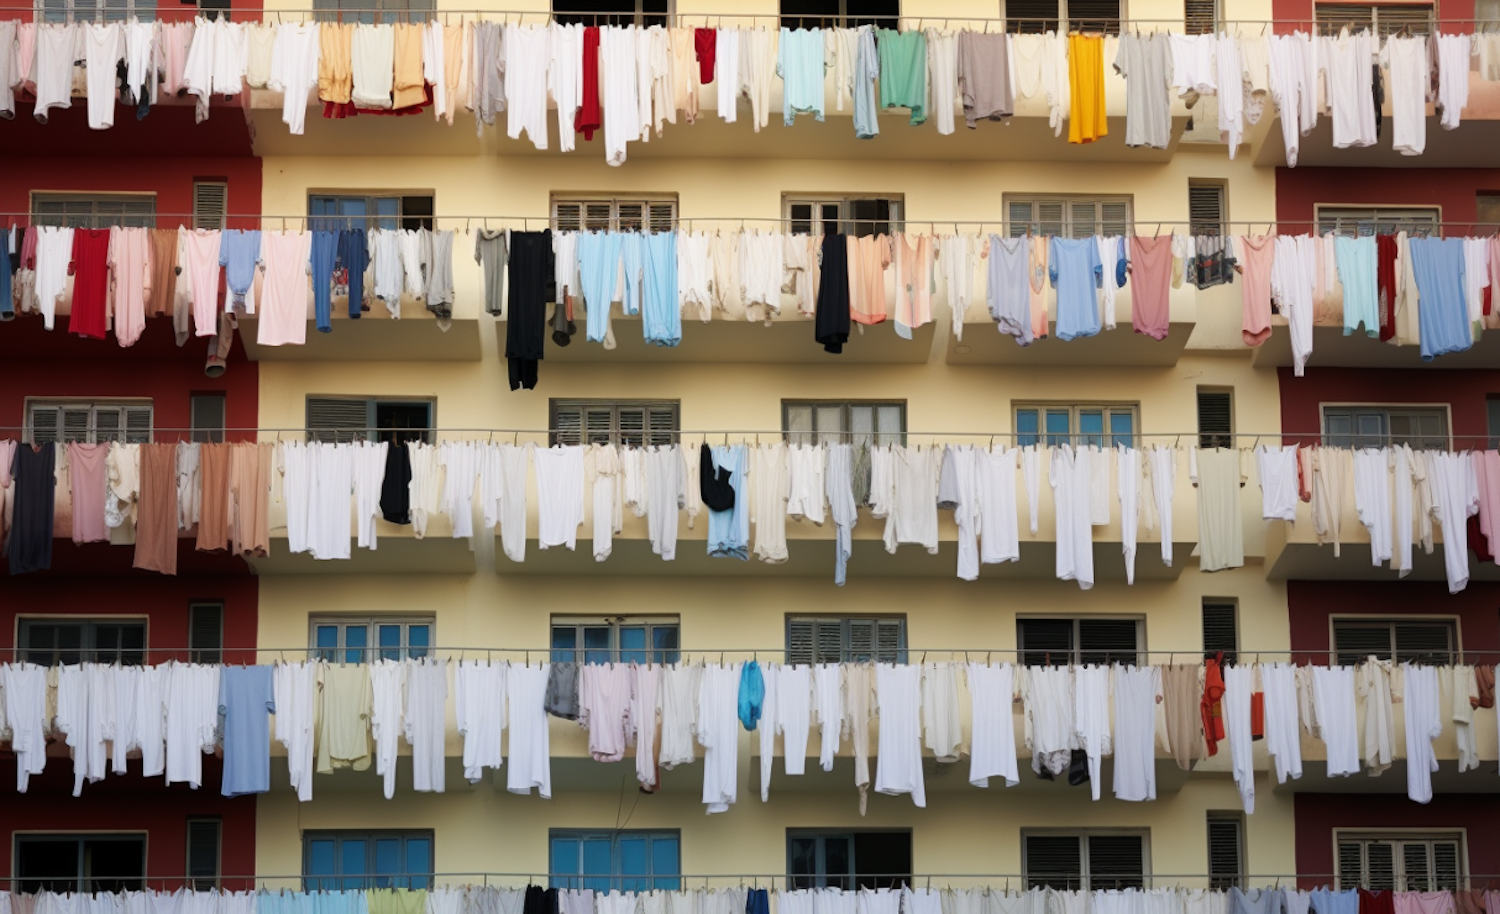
x,y
1277,467
1136,690
1333,701
899,751
805,484
793,715
528,50
828,704
426,704
103,47
479,706
559,488
992,740
387,683
1346,61
372,61
718,733
530,750
942,727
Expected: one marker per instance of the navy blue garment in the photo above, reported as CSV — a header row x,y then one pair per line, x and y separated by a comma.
x,y
8,264
752,695
528,271
831,319
354,258
756,902
30,546
325,247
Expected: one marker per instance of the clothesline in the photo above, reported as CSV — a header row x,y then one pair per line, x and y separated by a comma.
x,y
783,875
915,655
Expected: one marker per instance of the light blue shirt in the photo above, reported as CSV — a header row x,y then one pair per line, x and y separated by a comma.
x,y
661,318
866,69
239,252
1357,264
800,64
1076,273
245,698
729,531
1443,316
598,274
1327,901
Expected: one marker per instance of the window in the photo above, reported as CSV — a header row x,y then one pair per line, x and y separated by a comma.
x,y
1200,17
1403,640
1050,15
848,860
630,423
657,213
1226,850
210,203
626,861
80,863
1378,220
355,640
811,14
88,421
836,639
1206,208
1215,417
621,639
62,641
1078,425
368,419
611,12
1221,627
826,215
206,632
1487,212
1067,217
1381,18
370,12
203,853
92,210
331,212
1084,861
1377,426
1401,862
846,422
208,417
334,861
1095,639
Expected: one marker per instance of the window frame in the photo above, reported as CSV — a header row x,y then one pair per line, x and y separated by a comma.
x,y
617,434
83,881
1237,879
1062,23
843,218
1386,411
842,19
1213,439
88,650
1233,605
845,435
407,878
1193,24
1352,15
1085,877
613,221
372,199
580,652
372,650
1400,837
641,16
1365,220
389,11
1075,436
1391,622
94,405
94,218
196,652
1217,227
1075,654
617,880
847,654
1066,225
851,880
207,433
204,883
372,430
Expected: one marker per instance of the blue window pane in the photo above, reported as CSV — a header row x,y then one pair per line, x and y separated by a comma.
x,y
387,863
352,863
326,637
633,644
566,853
1026,427
596,642
390,641
1091,427
664,640
418,639
419,862
320,862
666,865
388,208
356,639
1121,429
564,641
597,864
633,864
1057,427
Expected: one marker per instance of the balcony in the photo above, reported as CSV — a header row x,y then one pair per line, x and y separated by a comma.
x,y
1293,553
1122,347
398,551
1332,349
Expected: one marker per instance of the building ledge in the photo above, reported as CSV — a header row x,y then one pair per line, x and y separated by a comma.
x,y
374,337
1332,349
1119,348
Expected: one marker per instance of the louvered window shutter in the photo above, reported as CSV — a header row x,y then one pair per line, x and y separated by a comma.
x,y
1046,642
1351,864
1215,418
1200,17
203,853
1049,217
1095,15
597,215
888,640
800,641
1424,642
567,216
1219,631
1054,861
1380,865
1206,209
206,632
137,424
861,645
1114,217
1115,862
1354,642
567,424
210,203
1085,220
45,424
1107,640
1224,852
1445,869
632,423
598,425
1020,218
1031,16
337,418
109,423
1416,18
1416,868
662,424
632,216
662,215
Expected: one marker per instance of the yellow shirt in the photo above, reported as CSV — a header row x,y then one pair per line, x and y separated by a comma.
x,y
1087,122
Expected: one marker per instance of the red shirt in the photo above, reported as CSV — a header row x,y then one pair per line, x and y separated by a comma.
x,y
90,283
587,120
704,41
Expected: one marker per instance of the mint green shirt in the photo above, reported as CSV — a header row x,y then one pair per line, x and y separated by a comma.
x,y
903,72
800,64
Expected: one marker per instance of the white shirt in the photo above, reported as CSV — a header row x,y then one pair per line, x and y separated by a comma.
x,y
1135,691
718,733
426,704
559,487
992,740
479,706
1283,737
387,683
1333,700
899,751
294,70
805,482
1346,61
292,687
942,726
530,752
1277,468
528,51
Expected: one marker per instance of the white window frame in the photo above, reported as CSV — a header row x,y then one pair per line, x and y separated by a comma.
x,y
95,406
1398,837
611,212
1332,17
1349,620
372,649
1388,410
839,210
616,434
105,208
1067,225
1075,412
1355,220
614,624
1083,834
845,434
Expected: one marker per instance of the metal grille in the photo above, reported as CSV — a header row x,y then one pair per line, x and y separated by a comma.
x,y
1206,209
1067,217
89,421
833,639
654,214
1220,632
621,423
1215,418
94,210
1383,19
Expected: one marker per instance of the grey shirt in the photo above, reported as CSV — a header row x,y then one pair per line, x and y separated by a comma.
x,y
561,699
1146,63
489,253
984,76
1009,274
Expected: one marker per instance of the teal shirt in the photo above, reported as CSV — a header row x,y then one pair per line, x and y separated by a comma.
x,y
800,64
903,72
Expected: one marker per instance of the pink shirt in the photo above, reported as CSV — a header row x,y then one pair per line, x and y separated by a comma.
x,y
88,477
1255,255
1150,285
130,277
175,39
1422,902
1487,469
284,292
198,255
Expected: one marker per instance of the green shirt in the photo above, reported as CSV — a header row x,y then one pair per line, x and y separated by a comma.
x,y
903,72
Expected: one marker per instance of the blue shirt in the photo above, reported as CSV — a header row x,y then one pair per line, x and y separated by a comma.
x,y
1076,272
800,64
245,698
729,531
1327,901
752,694
1442,314
598,271
354,257
325,247
661,318
866,69
1357,264
239,252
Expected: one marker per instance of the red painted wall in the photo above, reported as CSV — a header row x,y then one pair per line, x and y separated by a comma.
x,y
1317,815
1310,603
1299,190
1466,393
132,803
170,179
1291,15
